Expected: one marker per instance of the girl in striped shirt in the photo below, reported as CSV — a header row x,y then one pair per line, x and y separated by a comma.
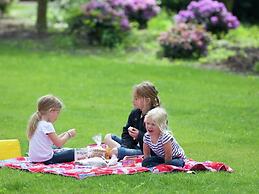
x,y
160,141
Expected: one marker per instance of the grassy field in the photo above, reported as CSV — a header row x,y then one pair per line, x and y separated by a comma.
x,y
213,114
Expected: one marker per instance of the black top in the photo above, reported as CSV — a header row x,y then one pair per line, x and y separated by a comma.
x,y
135,120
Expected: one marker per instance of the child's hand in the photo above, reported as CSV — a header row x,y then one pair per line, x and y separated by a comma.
x,y
72,132
133,132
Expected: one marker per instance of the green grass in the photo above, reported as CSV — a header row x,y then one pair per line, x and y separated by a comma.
x,y
214,115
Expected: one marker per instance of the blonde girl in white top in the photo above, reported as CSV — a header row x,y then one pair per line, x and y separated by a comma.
x,y
42,135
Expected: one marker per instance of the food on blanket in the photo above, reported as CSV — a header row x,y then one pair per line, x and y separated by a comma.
x,y
113,161
81,153
97,139
93,162
97,151
89,152
108,153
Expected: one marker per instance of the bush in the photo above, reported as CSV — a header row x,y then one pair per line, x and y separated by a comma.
x,y
100,23
212,14
61,10
184,41
4,5
140,11
256,67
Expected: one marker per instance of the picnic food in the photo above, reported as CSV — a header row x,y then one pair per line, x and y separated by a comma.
x,y
97,151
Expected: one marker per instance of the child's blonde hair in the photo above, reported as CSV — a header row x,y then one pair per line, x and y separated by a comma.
x,y
159,116
148,90
45,104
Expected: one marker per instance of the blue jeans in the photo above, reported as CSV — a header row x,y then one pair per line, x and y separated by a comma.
x,y
122,151
156,160
62,156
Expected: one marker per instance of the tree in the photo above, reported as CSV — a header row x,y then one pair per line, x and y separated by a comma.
x,y
41,23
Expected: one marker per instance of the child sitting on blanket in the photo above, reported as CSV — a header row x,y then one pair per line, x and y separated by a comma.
x,y
160,141
42,135
145,98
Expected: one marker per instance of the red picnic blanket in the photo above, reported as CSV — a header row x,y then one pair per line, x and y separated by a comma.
x,y
129,165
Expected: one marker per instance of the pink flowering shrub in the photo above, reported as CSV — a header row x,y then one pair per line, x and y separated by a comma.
x,y
140,11
184,41
212,14
100,23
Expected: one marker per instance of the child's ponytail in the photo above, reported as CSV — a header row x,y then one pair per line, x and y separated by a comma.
x,y
45,104
32,124
148,90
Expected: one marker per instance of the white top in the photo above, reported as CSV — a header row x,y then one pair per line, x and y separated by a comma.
x,y
158,147
40,149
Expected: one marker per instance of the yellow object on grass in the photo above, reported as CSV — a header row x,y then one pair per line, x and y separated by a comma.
x,y
9,148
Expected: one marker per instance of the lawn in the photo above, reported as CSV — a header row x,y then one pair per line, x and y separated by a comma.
x,y
213,114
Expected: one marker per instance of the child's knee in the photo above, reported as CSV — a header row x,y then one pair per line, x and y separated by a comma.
x,y
107,138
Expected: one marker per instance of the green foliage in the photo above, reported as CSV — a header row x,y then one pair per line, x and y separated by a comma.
x,y
62,10
244,36
256,67
160,23
88,31
23,12
4,4
218,50
216,55
100,24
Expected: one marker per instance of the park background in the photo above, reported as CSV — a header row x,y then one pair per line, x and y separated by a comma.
x,y
211,96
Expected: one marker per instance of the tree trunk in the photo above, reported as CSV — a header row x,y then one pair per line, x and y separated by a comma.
x,y
41,24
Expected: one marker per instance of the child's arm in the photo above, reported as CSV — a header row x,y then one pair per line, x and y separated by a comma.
x,y
62,134
71,131
146,150
127,140
168,151
60,140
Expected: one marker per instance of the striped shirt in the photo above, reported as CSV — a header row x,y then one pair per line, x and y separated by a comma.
x,y
158,147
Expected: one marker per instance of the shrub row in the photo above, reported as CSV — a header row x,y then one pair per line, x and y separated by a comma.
x,y
106,22
191,41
